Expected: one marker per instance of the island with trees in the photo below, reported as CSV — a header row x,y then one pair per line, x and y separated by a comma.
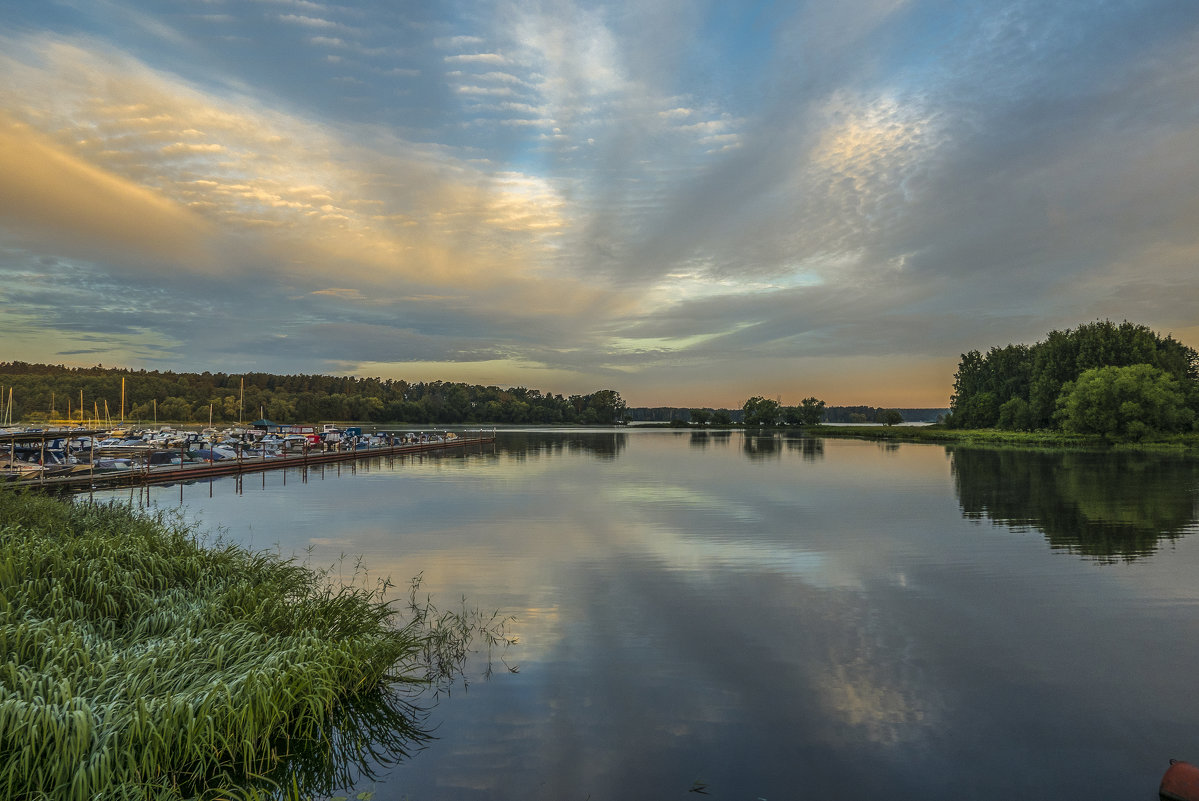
x,y
1118,381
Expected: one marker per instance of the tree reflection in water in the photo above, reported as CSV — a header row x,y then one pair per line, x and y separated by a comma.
x,y
761,446
530,444
1107,506
809,448
772,444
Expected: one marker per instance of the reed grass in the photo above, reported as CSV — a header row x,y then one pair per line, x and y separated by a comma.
x,y
138,663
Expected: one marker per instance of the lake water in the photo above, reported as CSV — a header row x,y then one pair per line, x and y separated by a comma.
x,y
775,618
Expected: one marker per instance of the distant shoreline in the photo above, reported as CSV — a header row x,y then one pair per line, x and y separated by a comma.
x,y
990,436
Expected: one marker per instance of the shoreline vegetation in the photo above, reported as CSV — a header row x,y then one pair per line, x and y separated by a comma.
x,y
939,434
141,662
996,437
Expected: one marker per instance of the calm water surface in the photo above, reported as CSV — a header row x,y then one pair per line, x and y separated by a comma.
x,y
776,618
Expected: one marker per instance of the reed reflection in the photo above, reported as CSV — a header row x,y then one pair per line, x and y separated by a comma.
x,y
1106,506
367,734
361,741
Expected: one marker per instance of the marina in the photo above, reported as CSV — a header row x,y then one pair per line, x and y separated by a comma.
x,y
79,460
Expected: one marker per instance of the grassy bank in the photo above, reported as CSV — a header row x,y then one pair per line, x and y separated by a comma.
x,y
992,436
138,663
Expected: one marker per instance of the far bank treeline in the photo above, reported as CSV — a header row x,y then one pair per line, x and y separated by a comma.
x,y
192,397
1122,381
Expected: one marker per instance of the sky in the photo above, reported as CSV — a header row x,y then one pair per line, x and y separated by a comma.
x,y
689,202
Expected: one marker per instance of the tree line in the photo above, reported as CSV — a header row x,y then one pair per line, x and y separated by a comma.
x,y
761,411
41,391
682,416
1122,381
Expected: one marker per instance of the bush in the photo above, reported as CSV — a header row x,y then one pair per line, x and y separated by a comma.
x,y
1015,415
1131,402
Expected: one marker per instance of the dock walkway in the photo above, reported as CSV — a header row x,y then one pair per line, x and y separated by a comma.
x,y
192,471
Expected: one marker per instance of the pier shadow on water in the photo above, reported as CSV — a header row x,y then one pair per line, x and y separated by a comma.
x,y
1105,506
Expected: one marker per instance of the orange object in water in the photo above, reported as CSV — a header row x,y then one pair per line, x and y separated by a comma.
x,y
1181,782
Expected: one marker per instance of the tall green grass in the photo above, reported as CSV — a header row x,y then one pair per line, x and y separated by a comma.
x,y
138,663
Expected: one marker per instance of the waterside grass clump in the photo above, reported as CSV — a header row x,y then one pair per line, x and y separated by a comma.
x,y
137,662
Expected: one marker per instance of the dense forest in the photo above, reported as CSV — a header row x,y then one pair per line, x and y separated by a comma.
x,y
1100,378
41,391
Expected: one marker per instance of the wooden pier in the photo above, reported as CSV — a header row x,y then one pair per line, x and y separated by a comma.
x,y
193,471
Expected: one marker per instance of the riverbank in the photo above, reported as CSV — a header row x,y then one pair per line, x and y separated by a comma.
x,y
991,436
141,663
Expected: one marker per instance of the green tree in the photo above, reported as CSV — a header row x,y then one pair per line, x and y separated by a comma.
x,y
792,415
281,410
968,383
700,416
889,417
811,412
761,411
175,409
720,417
606,406
1015,415
1123,402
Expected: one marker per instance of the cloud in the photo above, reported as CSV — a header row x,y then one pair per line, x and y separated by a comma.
x,y
345,294
477,58
308,22
192,147
48,194
492,91
306,5
419,212
458,42
179,173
